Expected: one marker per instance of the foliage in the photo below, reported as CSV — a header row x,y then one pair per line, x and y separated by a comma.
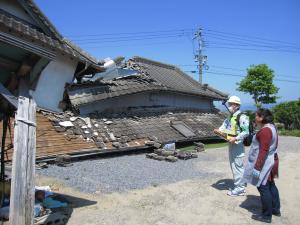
x,y
295,133
259,84
288,113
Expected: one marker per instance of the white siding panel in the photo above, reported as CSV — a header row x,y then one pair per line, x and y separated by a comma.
x,y
50,88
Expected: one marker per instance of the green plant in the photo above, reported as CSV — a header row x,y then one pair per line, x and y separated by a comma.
x,y
288,113
259,84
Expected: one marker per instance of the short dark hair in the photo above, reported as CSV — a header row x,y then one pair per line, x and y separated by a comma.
x,y
266,114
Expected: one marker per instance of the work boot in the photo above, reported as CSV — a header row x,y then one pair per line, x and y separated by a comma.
x,y
236,192
262,218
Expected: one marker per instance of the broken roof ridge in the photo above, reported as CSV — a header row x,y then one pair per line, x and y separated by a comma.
x,y
153,62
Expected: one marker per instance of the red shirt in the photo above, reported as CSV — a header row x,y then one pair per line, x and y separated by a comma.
x,y
264,137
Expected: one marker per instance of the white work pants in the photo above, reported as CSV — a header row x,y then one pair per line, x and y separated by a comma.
x,y
236,160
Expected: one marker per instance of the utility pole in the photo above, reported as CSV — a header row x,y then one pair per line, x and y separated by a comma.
x,y
199,57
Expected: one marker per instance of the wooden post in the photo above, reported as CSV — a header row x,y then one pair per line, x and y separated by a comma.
x,y
23,167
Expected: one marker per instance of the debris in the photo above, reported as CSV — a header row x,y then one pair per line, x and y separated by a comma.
x,y
63,160
41,165
112,137
171,158
59,129
73,118
116,144
66,124
167,153
157,145
199,147
149,143
108,122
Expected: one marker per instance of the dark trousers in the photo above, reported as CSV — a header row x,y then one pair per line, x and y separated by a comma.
x,y
269,198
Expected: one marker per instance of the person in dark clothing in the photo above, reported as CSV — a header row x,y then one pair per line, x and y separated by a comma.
x,y
262,166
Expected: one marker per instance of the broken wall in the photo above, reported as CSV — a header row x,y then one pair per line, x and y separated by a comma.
x,y
51,84
147,99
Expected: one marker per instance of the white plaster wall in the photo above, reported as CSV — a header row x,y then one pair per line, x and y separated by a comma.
x,y
13,7
148,99
50,87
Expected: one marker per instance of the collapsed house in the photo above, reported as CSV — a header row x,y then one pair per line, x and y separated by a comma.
x,y
87,106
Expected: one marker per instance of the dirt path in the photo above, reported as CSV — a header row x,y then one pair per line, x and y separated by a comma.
x,y
190,202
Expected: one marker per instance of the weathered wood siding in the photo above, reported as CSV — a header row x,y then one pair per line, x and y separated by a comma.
x,y
49,142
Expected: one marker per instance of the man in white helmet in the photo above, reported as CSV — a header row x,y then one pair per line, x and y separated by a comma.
x,y
236,126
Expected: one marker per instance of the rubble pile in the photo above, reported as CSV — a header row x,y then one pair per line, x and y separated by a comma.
x,y
171,155
120,131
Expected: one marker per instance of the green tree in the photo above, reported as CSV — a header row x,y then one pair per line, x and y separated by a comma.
x,y
259,84
288,113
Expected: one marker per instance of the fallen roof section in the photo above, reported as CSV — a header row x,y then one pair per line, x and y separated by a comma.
x,y
69,134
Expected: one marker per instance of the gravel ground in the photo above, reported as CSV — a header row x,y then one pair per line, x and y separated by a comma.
x,y
123,173
136,190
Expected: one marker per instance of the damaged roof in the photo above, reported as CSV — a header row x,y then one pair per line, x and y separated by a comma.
x,y
153,76
47,37
70,134
88,92
174,78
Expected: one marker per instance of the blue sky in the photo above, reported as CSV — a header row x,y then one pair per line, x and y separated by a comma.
x,y
104,29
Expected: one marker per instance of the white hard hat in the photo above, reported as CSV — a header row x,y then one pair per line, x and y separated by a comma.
x,y
234,99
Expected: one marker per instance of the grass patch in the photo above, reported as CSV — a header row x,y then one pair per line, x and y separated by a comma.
x,y
207,146
295,133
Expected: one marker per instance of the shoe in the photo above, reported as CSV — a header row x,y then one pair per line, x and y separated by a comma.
x,y
262,218
236,192
276,213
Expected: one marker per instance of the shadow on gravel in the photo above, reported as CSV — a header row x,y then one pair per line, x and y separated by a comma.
x,y
252,204
223,184
62,215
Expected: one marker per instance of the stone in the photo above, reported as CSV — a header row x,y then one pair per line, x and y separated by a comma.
x,y
158,151
157,145
95,133
73,118
167,153
63,160
59,129
100,145
149,143
171,158
112,137
77,131
108,122
84,127
116,144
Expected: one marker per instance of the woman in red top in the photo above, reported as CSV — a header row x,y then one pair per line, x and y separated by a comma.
x,y
262,166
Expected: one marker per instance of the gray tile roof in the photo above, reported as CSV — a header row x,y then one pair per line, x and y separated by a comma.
x,y
88,92
173,78
146,126
154,76
52,40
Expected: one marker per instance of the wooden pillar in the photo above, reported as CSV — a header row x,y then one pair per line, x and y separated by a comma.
x,y
23,167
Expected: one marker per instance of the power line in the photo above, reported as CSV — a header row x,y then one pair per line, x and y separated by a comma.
x,y
251,37
135,33
238,75
237,69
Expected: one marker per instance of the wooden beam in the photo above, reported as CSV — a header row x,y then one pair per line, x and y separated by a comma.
x,y
23,164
